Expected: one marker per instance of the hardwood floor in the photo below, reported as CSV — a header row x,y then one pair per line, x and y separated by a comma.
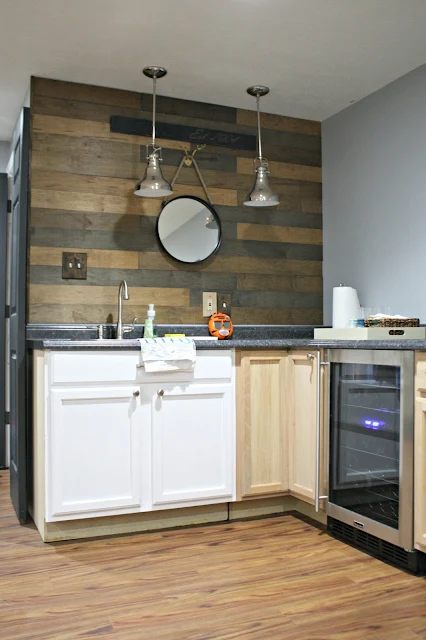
x,y
274,579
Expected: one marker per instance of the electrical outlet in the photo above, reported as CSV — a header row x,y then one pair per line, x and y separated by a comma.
x,y
224,302
74,266
209,303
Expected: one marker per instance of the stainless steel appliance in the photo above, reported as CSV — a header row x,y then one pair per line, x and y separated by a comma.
x,y
369,439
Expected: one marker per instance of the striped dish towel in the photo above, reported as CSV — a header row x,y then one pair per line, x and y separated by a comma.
x,y
167,354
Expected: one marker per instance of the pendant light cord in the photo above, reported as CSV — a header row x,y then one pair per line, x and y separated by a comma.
x,y
259,141
154,108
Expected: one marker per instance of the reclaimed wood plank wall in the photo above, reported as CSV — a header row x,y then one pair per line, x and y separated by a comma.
x,y
82,180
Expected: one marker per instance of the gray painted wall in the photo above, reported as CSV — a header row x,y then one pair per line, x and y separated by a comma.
x,y
374,179
4,155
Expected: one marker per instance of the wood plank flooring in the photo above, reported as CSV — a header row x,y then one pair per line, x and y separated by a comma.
x,y
274,579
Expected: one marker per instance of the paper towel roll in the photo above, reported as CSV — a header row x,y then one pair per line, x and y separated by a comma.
x,y
345,306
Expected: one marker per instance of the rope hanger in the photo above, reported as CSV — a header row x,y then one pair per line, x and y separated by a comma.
x,y
188,159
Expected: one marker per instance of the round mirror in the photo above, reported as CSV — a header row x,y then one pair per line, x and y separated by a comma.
x,y
189,229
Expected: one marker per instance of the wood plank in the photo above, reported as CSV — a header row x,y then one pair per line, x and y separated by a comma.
x,y
68,108
131,205
242,265
53,125
253,315
100,239
266,249
276,299
190,132
255,282
279,123
100,160
112,276
270,215
283,170
81,201
85,93
80,294
95,313
81,183
117,158
89,220
87,188
87,156
239,181
270,233
99,258
178,107
202,115
188,180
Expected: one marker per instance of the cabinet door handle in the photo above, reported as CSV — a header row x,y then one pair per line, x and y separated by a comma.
x,y
136,393
310,356
318,496
160,393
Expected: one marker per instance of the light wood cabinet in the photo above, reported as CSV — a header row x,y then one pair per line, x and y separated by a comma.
x,y
301,402
277,404
261,423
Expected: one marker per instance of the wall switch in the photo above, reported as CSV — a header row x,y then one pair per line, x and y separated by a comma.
x,y
74,266
224,301
209,303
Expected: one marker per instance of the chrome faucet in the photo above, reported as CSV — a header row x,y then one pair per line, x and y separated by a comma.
x,y
121,288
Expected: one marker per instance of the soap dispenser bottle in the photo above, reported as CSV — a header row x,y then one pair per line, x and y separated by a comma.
x,y
150,329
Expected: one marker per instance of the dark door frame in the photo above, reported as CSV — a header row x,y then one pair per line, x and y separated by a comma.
x,y
19,431
3,272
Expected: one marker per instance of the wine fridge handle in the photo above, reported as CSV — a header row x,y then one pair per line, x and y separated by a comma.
x,y
318,496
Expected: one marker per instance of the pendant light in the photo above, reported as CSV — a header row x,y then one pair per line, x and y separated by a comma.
x,y
154,185
261,195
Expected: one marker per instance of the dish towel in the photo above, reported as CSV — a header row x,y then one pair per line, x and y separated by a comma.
x,y
167,354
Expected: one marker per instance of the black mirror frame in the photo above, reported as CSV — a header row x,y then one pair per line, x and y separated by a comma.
x,y
217,220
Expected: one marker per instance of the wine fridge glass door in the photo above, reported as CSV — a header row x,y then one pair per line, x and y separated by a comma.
x,y
365,440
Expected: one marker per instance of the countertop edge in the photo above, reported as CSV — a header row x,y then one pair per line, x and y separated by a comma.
x,y
272,343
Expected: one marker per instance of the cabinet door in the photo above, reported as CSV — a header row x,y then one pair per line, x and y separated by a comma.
x,y
420,470
193,431
261,433
302,414
93,451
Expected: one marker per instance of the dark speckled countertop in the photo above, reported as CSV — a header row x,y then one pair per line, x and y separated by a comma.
x,y
84,337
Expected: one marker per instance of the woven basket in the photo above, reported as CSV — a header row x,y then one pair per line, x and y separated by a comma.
x,y
391,322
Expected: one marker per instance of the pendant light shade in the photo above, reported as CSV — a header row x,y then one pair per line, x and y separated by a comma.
x,y
154,184
261,195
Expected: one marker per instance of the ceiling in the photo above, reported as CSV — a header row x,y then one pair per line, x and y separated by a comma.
x,y
317,56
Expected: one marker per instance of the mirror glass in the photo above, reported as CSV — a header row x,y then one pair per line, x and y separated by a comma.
x,y
189,229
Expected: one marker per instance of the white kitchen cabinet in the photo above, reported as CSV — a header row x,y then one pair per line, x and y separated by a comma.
x,y
93,451
113,446
193,456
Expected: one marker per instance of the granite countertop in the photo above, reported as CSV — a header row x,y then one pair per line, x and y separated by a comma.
x,y
83,337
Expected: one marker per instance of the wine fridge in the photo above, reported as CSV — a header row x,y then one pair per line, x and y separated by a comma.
x,y
370,445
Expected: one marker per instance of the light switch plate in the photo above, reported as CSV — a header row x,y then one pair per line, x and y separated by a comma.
x,y
224,302
74,266
209,303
